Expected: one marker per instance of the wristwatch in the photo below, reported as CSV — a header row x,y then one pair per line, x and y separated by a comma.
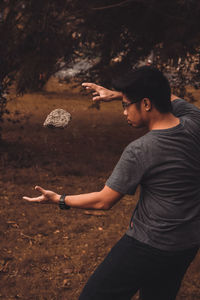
x,y
62,203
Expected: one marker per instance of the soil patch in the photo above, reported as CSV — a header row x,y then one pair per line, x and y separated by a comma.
x,y
47,253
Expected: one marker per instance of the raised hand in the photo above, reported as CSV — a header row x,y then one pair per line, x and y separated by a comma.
x,y
46,197
102,94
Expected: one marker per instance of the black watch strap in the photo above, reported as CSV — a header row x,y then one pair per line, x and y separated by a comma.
x,y
62,203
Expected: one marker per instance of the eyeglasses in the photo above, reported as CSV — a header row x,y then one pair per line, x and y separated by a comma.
x,y
125,105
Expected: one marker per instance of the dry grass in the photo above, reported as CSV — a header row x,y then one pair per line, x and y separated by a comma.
x,y
46,253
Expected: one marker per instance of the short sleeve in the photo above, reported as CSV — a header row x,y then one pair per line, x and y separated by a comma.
x,y
182,108
128,172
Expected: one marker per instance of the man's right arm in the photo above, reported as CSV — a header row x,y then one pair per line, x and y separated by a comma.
x,y
182,108
174,97
102,94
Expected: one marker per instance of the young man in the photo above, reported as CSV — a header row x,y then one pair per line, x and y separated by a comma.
x,y
164,232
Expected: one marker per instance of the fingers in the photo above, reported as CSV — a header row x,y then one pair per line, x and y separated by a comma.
x,y
97,94
98,98
37,199
40,189
90,86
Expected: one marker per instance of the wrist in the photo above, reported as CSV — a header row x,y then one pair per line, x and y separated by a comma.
x,y
116,95
57,198
62,203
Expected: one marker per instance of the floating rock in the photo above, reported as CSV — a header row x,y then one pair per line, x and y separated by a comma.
x,y
58,118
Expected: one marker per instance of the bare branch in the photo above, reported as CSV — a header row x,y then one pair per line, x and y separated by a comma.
x,y
115,5
126,2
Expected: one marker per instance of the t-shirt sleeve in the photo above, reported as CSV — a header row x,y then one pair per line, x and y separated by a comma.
x,y
182,108
128,172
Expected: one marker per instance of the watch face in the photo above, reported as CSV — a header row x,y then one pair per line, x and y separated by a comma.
x,y
62,204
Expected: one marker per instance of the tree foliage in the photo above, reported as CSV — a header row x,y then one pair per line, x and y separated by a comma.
x,y
131,29
37,35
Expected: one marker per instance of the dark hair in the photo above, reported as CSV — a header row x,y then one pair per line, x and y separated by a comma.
x,y
146,82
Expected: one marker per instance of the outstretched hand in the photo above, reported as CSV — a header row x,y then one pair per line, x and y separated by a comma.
x,y
46,197
102,94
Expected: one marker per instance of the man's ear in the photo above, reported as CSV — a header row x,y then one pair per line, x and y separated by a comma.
x,y
147,104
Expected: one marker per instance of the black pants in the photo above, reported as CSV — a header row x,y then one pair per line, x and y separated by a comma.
x,y
131,266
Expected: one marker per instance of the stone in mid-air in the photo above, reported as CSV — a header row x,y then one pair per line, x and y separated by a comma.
x,y
58,118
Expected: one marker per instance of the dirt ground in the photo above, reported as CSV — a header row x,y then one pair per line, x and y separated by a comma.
x,y
47,253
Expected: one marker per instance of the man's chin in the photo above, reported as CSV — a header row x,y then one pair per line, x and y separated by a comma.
x,y
131,124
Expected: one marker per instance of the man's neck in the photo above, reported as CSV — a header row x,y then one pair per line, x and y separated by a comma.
x,y
162,121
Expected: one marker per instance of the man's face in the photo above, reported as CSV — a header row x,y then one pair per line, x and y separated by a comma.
x,y
133,113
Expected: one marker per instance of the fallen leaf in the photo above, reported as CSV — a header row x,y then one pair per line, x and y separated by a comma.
x,y
2,263
68,271
94,213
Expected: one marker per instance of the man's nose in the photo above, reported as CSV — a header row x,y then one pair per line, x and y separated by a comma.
x,y
125,112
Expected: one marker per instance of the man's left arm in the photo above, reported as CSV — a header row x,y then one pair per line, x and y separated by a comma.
x,y
103,199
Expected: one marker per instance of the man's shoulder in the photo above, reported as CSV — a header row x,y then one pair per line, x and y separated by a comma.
x,y
142,144
142,141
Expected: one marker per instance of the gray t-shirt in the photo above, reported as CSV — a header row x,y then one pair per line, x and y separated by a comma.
x,y
166,164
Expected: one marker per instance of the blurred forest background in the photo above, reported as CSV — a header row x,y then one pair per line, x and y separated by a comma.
x,y
47,48
38,38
